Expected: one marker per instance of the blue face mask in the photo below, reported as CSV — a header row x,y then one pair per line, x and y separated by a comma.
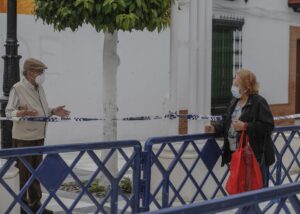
x,y
235,92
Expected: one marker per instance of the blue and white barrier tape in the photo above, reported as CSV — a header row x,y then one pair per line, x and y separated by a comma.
x,y
170,116
287,117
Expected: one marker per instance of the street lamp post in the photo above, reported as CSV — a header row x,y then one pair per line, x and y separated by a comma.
x,y
11,69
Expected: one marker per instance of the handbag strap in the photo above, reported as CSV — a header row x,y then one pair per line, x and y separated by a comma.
x,y
243,135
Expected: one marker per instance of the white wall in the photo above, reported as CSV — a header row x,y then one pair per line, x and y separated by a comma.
x,y
192,52
265,41
75,64
266,52
75,74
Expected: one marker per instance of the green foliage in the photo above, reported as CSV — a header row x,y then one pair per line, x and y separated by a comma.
x,y
96,188
105,15
125,185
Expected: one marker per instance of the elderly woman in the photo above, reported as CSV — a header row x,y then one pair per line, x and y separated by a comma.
x,y
247,109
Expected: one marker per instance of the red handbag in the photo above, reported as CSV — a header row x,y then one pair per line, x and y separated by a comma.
x,y
245,173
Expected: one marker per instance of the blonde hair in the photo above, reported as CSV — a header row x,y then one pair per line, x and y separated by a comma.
x,y
249,82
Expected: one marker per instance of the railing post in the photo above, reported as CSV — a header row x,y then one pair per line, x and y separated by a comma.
x,y
114,196
147,156
278,171
136,183
165,190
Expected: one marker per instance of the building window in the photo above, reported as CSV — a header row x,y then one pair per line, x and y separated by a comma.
x,y
226,59
295,4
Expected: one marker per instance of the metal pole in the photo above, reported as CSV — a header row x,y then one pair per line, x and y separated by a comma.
x,y
11,69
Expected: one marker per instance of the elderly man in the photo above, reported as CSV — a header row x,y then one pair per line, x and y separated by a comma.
x,y
27,98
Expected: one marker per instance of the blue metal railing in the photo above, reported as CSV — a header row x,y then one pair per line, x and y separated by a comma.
x,y
247,202
53,171
206,151
168,191
187,170
288,148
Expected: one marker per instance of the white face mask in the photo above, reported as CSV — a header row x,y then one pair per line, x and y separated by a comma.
x,y
235,92
40,79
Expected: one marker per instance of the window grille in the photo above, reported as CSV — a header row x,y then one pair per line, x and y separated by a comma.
x,y
226,59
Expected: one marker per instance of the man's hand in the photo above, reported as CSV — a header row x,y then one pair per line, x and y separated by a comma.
x,y
60,111
24,111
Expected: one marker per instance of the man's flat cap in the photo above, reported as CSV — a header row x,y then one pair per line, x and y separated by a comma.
x,y
33,64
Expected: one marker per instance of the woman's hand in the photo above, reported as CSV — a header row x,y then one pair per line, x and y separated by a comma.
x,y
209,129
238,125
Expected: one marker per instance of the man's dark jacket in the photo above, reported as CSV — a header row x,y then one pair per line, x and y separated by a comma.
x,y
257,114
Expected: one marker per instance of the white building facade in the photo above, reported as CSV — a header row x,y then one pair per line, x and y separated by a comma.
x,y
269,47
174,70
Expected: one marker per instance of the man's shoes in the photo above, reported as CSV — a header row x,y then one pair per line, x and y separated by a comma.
x,y
47,211
34,211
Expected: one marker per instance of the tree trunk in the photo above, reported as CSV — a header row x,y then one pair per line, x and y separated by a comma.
x,y
111,62
173,72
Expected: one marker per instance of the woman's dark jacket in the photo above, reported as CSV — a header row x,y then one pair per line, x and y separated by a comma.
x,y
257,114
